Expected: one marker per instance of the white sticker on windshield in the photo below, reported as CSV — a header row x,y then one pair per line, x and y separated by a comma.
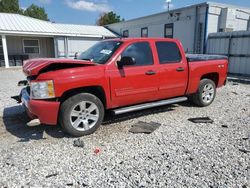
x,y
105,51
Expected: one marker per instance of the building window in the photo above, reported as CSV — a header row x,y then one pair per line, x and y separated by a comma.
x,y
1,46
125,34
169,30
226,30
31,46
144,32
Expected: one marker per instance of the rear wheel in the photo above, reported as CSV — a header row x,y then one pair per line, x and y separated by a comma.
x,y
205,94
81,114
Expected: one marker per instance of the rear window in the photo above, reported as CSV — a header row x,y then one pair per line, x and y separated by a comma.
x,y
168,52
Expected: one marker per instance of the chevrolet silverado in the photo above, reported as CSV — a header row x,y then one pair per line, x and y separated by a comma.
x,y
121,75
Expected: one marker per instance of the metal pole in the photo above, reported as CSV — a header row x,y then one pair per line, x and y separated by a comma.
x,y
5,51
55,47
66,50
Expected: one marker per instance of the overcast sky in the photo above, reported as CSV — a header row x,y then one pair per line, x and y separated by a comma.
x,y
88,11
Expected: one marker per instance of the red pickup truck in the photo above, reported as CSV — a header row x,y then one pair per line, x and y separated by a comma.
x,y
122,75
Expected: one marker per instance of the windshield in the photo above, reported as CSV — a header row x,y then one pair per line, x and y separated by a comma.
x,y
100,52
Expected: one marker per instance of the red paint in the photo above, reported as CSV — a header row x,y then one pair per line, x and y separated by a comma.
x,y
47,112
97,150
125,86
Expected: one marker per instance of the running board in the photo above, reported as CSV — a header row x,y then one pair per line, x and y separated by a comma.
x,y
148,105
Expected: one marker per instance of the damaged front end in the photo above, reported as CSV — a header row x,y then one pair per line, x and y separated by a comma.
x,y
17,98
38,95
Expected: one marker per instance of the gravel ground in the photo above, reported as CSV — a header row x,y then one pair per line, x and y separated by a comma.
x,y
178,154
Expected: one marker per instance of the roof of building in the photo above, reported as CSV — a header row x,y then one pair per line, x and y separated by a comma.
x,y
222,5
22,25
229,34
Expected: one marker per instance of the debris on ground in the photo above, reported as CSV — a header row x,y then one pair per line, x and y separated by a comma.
x,y
224,126
34,123
235,93
201,120
245,138
79,143
97,150
84,184
244,150
51,175
144,127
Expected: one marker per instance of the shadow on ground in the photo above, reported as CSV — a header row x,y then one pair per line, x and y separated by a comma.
x,y
15,122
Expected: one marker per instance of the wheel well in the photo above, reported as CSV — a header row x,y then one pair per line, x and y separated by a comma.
x,y
212,76
94,90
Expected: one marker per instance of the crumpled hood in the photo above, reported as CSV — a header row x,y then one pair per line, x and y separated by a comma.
x,y
32,67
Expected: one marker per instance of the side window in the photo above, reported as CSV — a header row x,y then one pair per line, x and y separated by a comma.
x,y
168,52
142,53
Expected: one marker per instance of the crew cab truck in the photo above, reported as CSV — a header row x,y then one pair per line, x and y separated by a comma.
x,y
121,75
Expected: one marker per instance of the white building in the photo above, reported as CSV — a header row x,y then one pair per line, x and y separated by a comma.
x,y
23,37
190,24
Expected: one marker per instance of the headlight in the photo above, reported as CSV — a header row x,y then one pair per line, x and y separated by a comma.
x,y
42,90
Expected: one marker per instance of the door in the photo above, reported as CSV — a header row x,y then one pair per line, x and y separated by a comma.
x,y
136,83
173,74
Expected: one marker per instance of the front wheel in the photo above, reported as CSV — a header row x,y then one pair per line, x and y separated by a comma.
x,y
81,114
205,94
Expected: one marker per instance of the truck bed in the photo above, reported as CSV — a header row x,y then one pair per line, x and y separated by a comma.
x,y
204,57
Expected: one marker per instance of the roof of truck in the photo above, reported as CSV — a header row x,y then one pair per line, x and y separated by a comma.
x,y
142,39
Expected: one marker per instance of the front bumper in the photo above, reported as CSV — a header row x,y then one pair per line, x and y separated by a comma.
x,y
45,111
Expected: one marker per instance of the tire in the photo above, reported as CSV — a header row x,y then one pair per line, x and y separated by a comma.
x,y
205,94
81,114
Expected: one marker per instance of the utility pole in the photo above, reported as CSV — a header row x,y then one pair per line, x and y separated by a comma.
x,y
168,3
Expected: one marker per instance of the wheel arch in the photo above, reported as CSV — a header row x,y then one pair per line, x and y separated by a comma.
x,y
214,76
98,91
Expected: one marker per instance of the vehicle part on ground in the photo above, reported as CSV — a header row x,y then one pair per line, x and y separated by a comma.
x,y
78,143
144,127
34,123
201,120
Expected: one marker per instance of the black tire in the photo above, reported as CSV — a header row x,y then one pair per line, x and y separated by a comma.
x,y
69,105
198,99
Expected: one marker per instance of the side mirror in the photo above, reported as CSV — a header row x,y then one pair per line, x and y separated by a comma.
x,y
126,60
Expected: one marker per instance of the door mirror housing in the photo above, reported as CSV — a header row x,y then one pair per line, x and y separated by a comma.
x,y
126,60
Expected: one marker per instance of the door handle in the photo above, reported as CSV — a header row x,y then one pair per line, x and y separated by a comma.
x,y
180,69
150,72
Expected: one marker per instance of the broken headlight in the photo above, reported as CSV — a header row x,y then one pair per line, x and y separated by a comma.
x,y
42,90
